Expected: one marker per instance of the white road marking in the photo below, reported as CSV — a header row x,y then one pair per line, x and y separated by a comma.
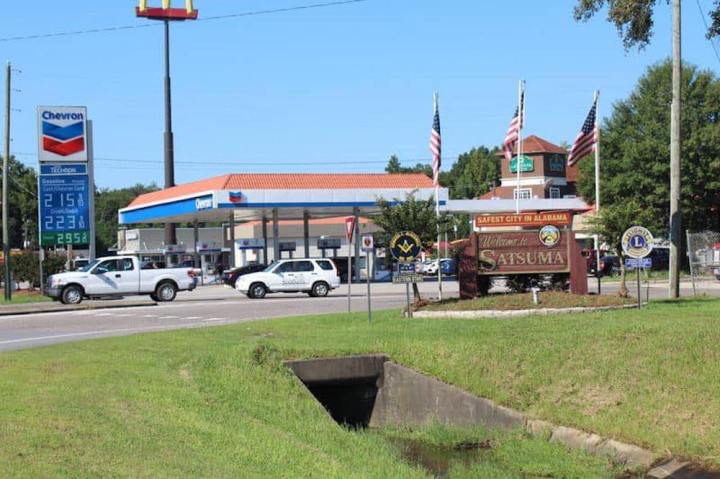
x,y
191,318
214,319
168,317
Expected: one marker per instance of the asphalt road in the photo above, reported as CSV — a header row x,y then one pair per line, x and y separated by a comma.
x,y
215,305
207,306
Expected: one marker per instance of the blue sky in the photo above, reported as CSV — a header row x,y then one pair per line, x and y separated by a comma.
x,y
336,89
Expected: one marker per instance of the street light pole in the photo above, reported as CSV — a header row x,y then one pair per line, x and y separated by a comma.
x,y
170,234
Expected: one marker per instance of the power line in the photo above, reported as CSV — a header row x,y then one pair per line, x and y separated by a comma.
x,y
261,163
707,28
39,36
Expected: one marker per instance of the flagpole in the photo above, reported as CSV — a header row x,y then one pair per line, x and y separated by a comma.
x,y
521,115
437,216
596,100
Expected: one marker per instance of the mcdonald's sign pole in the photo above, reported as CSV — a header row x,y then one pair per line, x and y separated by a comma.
x,y
166,14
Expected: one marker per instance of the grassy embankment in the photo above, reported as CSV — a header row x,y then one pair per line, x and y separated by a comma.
x,y
25,297
216,402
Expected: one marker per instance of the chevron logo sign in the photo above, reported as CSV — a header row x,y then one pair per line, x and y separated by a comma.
x,y
62,134
64,140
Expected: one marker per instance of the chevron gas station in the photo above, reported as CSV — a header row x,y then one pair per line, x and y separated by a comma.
x,y
273,199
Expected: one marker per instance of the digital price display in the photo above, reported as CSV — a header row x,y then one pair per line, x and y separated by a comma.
x,y
64,209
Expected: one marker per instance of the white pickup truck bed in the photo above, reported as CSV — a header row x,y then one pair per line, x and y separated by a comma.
x,y
119,276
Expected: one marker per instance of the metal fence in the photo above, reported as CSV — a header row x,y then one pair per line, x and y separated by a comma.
x,y
703,254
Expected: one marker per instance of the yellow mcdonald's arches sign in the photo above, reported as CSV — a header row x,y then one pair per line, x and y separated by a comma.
x,y
166,5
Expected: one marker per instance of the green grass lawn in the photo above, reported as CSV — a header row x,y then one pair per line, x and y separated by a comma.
x,y
202,402
24,297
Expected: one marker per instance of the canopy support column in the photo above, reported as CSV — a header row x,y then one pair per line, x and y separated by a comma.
x,y
233,259
265,239
306,232
276,235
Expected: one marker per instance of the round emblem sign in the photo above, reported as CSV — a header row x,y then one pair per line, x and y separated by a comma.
x,y
637,242
405,246
549,235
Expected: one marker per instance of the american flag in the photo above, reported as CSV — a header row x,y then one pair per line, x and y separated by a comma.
x,y
436,145
513,133
586,139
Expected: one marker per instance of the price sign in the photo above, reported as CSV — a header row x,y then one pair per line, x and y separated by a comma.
x,y
64,209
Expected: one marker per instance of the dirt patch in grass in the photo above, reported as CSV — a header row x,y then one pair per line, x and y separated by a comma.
x,y
548,299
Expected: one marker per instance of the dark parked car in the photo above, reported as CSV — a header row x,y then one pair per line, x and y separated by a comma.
x,y
449,267
230,276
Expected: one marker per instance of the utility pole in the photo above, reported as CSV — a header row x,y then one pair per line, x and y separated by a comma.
x,y
675,151
6,160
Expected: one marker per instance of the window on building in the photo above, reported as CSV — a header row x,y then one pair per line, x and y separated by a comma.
x,y
555,193
522,193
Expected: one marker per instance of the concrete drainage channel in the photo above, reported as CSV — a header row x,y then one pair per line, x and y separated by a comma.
x,y
372,391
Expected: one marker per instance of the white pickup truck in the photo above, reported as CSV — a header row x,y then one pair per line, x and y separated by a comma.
x,y
120,276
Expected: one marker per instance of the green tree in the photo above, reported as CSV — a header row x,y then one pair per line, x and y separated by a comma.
x,y
22,204
634,18
636,150
394,166
107,204
413,215
474,173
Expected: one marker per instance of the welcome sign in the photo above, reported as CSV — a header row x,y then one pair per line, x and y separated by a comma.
x,y
524,252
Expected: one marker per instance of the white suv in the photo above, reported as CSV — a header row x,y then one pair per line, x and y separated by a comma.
x,y
315,277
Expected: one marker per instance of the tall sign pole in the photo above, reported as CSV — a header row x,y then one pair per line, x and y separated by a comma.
x,y
349,231
92,253
169,141
675,149
166,14
6,159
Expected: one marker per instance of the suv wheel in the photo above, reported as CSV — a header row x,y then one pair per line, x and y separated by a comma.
x,y
72,295
320,289
257,291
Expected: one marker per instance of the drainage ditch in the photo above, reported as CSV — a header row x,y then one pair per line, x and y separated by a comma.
x,y
369,391
362,392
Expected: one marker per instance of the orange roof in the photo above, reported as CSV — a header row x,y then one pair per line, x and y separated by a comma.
x,y
290,181
535,144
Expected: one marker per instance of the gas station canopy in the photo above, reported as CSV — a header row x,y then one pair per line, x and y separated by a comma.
x,y
288,196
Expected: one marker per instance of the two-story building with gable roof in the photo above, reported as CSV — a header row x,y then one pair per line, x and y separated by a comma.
x,y
544,173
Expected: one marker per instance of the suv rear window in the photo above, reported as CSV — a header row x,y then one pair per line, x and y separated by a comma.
x,y
326,265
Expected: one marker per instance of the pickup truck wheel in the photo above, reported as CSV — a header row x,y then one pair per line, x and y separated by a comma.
x,y
166,291
257,291
154,298
320,289
72,295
